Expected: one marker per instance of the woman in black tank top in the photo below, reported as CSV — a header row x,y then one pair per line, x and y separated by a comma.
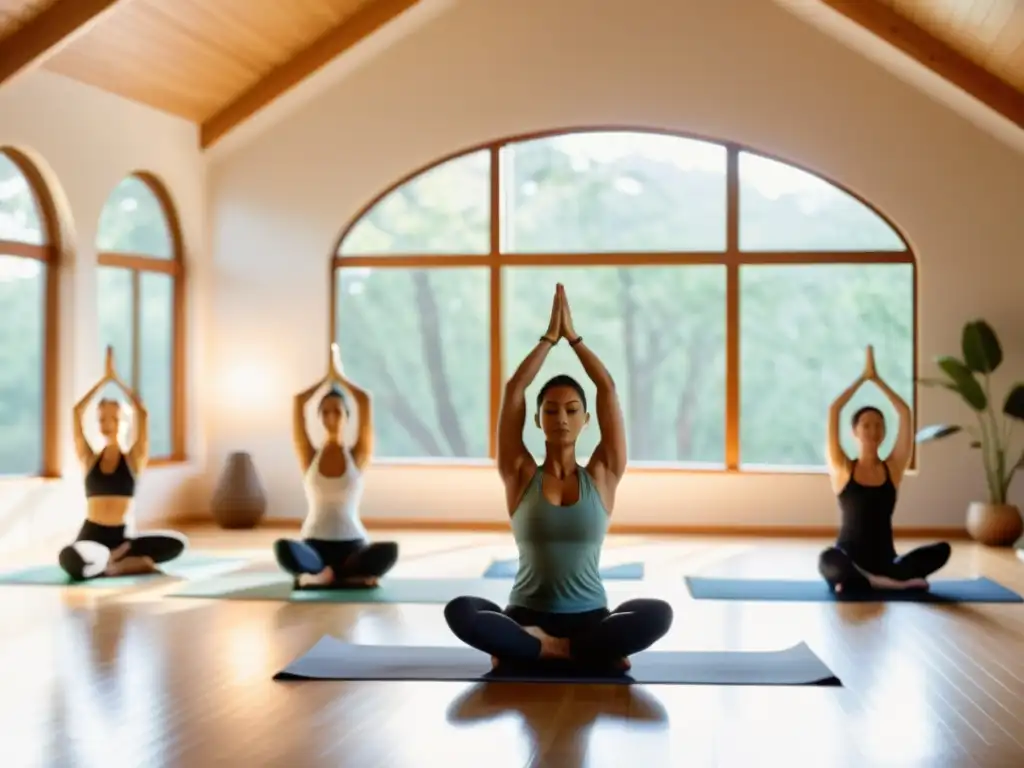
x,y
864,556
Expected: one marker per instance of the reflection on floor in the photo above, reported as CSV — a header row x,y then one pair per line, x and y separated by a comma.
x,y
127,678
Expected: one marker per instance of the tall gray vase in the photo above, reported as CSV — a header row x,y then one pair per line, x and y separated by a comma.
x,y
239,500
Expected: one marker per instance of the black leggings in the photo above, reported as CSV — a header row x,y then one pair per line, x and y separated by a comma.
x,y
89,556
352,559
837,567
595,637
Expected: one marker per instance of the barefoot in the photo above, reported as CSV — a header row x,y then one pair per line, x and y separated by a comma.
x,y
623,664
550,647
131,566
120,552
884,582
323,579
494,662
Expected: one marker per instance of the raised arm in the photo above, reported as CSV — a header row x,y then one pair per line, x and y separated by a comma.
x,y
838,462
84,452
903,449
610,455
512,452
138,454
304,449
362,451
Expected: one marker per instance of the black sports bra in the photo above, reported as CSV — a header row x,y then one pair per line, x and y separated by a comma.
x,y
120,482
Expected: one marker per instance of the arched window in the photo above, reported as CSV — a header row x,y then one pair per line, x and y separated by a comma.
x,y
731,296
141,303
28,321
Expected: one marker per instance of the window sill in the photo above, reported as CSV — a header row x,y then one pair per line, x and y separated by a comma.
x,y
166,461
635,467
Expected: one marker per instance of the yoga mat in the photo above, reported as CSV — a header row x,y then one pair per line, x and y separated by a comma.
x,y
506,569
278,586
817,591
332,659
188,566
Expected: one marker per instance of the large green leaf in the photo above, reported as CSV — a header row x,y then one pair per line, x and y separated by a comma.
x,y
966,385
1014,405
982,351
937,432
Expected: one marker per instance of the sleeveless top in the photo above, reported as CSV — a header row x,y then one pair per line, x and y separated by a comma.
x,y
333,502
559,550
866,530
120,482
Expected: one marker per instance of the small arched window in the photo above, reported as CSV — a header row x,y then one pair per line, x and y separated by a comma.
x,y
141,303
28,321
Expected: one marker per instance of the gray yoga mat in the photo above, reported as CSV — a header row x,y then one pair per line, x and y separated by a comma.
x,y
333,659
279,587
817,591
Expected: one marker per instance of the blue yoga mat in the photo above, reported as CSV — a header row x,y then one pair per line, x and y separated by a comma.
x,y
191,565
817,591
333,659
506,569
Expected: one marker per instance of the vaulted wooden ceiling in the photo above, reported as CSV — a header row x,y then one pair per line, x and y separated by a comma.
x,y
218,62
215,62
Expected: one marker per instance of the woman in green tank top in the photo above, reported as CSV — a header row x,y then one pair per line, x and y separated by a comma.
x,y
558,608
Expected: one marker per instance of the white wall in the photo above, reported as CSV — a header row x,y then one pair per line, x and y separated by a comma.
x,y
743,70
86,141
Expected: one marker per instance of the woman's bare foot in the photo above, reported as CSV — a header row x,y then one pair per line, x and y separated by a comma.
x,y
623,664
323,579
359,581
884,582
120,552
494,662
550,647
131,565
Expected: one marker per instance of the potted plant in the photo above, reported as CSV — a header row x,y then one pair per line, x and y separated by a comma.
x,y
995,522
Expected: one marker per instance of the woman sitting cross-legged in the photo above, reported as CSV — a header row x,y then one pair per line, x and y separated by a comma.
x,y
105,545
558,606
334,551
864,555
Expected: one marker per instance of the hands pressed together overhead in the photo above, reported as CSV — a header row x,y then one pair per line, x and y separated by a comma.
x,y
560,325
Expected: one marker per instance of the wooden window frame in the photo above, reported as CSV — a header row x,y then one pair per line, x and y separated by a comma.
x,y
49,254
732,258
137,264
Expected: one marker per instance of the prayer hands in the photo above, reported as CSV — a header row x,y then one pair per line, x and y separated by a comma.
x,y
554,332
870,373
335,372
568,331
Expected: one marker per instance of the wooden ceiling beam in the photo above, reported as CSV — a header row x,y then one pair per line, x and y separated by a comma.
x,y
940,58
49,31
319,53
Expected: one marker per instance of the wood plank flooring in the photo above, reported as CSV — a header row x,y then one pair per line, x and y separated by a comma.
x,y
105,678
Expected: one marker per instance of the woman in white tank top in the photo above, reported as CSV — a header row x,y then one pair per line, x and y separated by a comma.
x,y
334,551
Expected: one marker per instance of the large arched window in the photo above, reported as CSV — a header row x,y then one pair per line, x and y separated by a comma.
x,y
730,295
141,304
28,321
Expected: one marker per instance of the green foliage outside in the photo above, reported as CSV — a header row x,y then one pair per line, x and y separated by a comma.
x,y
132,221
419,338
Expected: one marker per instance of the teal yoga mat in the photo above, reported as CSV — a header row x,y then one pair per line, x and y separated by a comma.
x,y
278,586
188,566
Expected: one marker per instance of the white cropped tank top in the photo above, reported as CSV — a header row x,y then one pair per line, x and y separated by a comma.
x,y
333,502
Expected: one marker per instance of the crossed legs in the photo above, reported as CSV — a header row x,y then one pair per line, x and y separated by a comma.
x,y
101,550
335,564
909,571
594,638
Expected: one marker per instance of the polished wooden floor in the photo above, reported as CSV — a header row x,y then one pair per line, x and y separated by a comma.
x,y
105,678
